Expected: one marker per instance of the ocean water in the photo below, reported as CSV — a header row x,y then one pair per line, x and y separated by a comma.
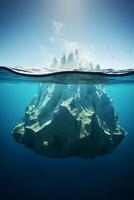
x,y
26,175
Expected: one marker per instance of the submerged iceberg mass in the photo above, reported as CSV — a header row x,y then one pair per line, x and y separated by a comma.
x,y
66,120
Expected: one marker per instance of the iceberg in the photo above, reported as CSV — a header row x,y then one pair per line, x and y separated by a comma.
x,y
73,61
66,120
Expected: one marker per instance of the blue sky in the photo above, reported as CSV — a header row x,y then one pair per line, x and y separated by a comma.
x,y
32,32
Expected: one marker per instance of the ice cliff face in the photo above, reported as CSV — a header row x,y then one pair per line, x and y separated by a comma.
x,y
70,120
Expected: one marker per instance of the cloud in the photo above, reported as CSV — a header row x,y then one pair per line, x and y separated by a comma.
x,y
52,39
58,27
70,46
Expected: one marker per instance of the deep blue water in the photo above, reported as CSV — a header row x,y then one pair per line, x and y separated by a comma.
x,y
25,175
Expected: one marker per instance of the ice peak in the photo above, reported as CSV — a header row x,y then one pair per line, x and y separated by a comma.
x,y
63,60
73,61
77,53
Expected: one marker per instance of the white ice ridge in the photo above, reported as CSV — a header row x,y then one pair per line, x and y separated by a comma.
x,y
74,61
